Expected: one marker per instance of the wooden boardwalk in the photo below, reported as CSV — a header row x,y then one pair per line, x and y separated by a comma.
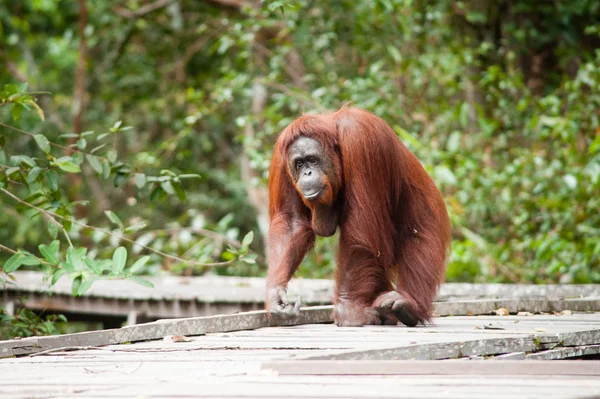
x,y
171,297
177,297
239,355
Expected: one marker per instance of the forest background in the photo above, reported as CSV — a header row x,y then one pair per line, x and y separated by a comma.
x,y
135,136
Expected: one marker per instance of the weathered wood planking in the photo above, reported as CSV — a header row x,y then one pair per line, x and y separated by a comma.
x,y
351,387
420,367
258,319
171,297
209,295
488,306
205,289
157,330
274,362
251,289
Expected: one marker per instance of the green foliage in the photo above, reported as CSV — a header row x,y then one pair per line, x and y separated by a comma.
x,y
44,196
25,323
20,99
499,100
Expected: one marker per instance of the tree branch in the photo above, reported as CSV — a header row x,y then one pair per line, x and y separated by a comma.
x,y
53,144
142,11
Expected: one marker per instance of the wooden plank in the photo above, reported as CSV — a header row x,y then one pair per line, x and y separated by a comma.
x,y
578,338
175,296
100,338
489,306
565,353
124,307
509,356
171,296
159,329
424,367
371,337
206,289
230,364
251,289
319,387
456,291
444,350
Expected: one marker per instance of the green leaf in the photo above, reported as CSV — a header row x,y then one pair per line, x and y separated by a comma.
x,y
67,224
157,194
85,285
140,180
454,142
23,160
10,89
53,229
67,266
17,111
68,166
75,257
54,246
92,264
251,259
116,126
34,174
189,176
13,263
112,156
30,260
68,136
81,143
135,228
49,253
119,259
444,175
94,163
57,275
407,138
395,53
141,281
104,265
179,191
571,181
139,264
93,150
42,142
120,179
105,169
114,218
168,187
75,285
594,147
247,241
10,171
52,177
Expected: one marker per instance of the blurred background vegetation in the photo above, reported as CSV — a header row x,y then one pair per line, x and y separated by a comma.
x,y
499,99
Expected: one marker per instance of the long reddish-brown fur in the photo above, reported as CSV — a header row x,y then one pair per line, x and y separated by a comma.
x,y
394,227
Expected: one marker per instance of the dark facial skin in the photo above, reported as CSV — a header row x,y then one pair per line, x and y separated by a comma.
x,y
311,167
308,163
